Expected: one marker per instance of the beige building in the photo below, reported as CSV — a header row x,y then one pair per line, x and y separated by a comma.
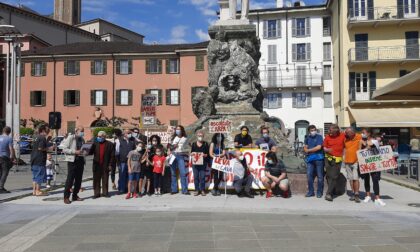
x,y
375,42
68,11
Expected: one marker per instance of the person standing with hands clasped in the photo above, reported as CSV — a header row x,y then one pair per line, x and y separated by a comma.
x,y
314,161
200,148
158,162
103,158
135,159
217,149
179,150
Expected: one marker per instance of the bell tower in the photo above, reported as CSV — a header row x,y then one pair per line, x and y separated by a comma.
x,y
68,11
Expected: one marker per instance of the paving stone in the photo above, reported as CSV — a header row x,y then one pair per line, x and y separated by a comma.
x,y
98,246
272,228
314,227
235,236
149,237
351,227
220,228
178,236
407,239
383,248
277,235
237,244
177,245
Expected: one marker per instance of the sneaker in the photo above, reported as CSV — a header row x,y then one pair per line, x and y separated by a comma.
x,y
357,198
367,199
351,198
248,195
203,193
156,193
135,195
128,196
48,186
196,193
218,193
269,195
319,195
187,193
114,187
309,195
213,192
286,194
380,202
328,197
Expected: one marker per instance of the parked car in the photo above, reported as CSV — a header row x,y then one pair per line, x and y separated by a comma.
x,y
25,144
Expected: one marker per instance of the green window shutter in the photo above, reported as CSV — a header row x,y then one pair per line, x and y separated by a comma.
x,y
118,67
32,68
32,98
130,66
148,91
65,68
168,96
92,97
294,52
105,97
265,101
77,94
92,67
308,51
130,97
44,68
160,66
179,97
43,98
77,63
104,66
168,68
118,97
160,97
147,66
66,98
22,69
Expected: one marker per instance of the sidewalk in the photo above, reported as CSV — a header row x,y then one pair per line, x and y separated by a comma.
x,y
401,180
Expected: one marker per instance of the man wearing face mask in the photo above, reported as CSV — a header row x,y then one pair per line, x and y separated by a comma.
x,y
242,176
243,140
266,142
103,155
137,137
352,145
123,146
72,147
314,161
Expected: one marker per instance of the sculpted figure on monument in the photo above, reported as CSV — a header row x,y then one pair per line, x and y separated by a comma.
x,y
244,9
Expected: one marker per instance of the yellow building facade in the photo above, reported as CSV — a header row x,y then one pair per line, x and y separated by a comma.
x,y
375,42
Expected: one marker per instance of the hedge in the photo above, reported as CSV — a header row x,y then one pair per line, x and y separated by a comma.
x,y
26,131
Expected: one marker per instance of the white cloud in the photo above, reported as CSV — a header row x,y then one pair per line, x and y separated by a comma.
x,y
178,34
203,36
262,4
206,7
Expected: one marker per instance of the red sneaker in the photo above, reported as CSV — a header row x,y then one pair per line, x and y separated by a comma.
x,y
269,195
128,196
286,194
135,195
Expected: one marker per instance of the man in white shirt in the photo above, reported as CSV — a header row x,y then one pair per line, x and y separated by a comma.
x,y
242,177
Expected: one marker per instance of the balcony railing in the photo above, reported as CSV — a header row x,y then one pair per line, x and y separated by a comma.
x,y
388,13
360,94
291,76
384,54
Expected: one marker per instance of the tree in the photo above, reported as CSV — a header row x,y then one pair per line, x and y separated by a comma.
x,y
37,122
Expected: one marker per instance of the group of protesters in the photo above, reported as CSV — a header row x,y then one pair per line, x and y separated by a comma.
x,y
142,162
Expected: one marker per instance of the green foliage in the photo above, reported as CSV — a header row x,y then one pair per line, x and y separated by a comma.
x,y
108,130
26,131
37,122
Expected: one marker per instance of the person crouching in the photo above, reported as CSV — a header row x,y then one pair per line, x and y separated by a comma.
x,y
275,174
242,176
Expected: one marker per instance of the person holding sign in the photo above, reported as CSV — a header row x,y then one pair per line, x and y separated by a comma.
x,y
275,174
242,181
368,143
179,149
199,155
217,149
314,161
266,142
243,140
333,148
352,145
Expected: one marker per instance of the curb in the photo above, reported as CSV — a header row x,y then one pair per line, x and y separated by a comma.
x,y
402,183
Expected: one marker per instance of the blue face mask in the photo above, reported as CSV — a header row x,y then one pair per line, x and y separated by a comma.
x,y
81,134
265,136
100,139
178,132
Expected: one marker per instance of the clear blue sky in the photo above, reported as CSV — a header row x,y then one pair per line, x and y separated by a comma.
x,y
161,21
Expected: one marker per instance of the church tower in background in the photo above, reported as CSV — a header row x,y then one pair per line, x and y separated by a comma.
x,y
68,11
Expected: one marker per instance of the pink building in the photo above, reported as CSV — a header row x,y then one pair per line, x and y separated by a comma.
x,y
76,79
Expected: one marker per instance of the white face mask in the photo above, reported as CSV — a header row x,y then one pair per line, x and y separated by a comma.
x,y
313,133
134,134
200,138
139,149
241,158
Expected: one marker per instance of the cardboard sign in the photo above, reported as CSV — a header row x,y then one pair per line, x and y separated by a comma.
x,y
165,137
373,161
197,158
223,165
220,126
148,109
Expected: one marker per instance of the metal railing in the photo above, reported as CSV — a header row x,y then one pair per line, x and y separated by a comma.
x,y
384,53
361,94
291,76
383,13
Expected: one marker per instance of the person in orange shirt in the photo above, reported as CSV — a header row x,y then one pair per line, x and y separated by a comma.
x,y
352,145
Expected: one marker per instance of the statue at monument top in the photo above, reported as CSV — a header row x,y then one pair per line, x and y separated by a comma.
x,y
228,12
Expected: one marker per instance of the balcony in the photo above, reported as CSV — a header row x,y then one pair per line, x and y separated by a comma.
x,y
383,16
291,76
360,94
385,54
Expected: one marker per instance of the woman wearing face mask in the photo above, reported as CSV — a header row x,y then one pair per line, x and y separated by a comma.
x,y
217,149
370,143
200,147
243,140
275,174
154,142
180,151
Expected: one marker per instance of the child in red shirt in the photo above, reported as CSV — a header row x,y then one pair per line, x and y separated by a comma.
x,y
158,163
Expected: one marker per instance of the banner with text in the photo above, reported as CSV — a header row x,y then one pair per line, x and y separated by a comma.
x,y
373,161
220,126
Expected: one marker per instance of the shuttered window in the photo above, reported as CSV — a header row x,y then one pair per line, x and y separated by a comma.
x,y
326,26
71,98
301,52
172,97
272,100
22,69
124,67
196,90
38,98
124,97
327,100
327,51
199,63
326,74
302,100
98,67
38,69
272,29
154,66
157,92
71,67
98,97
272,54
301,27
172,66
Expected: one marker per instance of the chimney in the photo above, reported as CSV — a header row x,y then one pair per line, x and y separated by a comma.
x,y
280,4
68,11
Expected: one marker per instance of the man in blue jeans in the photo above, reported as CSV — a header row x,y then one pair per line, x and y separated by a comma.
x,y
123,146
315,161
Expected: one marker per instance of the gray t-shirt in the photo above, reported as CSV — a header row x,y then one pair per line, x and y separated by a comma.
x,y
135,159
5,143
238,169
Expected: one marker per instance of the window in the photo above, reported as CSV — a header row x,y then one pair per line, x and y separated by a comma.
x,y
301,76
302,100
362,85
22,69
326,26
196,90
124,66
124,97
327,51
157,92
172,66
154,66
98,67
272,77
272,54
328,100
326,74
301,52
272,100
272,29
38,98
98,97
172,97
71,67
71,98
199,63
301,27
173,123
361,82
38,69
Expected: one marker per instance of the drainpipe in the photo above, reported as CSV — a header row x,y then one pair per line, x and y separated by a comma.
x,y
339,61
113,85
287,38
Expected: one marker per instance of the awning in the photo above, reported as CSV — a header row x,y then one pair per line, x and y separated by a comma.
x,y
404,88
386,117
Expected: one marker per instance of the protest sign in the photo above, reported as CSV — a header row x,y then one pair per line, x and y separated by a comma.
x,y
165,137
223,165
197,158
373,161
148,109
220,126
